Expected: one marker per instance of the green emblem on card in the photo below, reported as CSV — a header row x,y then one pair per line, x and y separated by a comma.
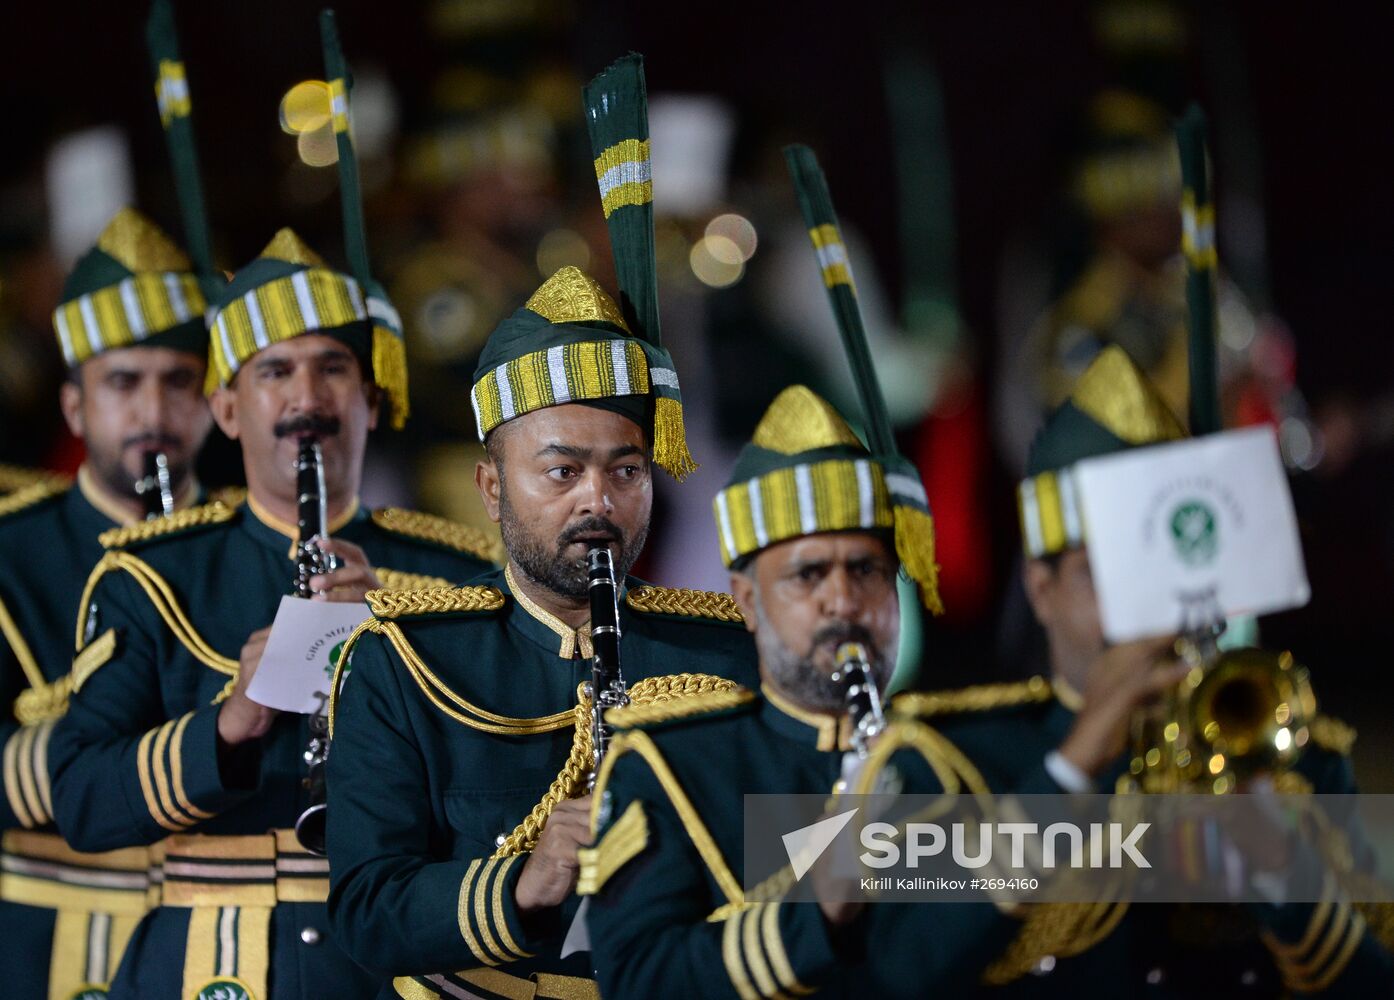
x,y
224,989
1194,533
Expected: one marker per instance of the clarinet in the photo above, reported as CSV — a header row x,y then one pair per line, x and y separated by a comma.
x,y
863,699
155,488
606,687
310,560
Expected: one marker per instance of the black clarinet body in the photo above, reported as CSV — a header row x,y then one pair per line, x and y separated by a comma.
x,y
853,670
607,688
155,488
311,560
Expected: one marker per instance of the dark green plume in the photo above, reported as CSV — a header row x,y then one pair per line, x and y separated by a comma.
x,y
1198,245
617,117
172,99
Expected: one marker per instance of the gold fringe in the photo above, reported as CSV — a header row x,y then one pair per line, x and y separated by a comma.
x,y
28,496
1330,733
978,698
681,601
388,604
670,439
914,544
181,520
390,373
429,528
14,477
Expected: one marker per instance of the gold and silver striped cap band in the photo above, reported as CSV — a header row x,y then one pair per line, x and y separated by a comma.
x,y
316,298
625,174
832,256
569,373
1051,520
804,499
126,313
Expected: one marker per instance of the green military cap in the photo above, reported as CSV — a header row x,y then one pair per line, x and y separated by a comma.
x,y
1113,407
805,472
571,342
134,287
289,290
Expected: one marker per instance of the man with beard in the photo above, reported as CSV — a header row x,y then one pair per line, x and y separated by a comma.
x,y
453,868
161,746
808,529
135,375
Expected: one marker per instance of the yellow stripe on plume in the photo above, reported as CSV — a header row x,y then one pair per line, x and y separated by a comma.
x,y
338,103
623,171
172,92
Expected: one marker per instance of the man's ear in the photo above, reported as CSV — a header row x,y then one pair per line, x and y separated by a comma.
x,y
223,405
489,483
372,392
1038,578
70,402
743,590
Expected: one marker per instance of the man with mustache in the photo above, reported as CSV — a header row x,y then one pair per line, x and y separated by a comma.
x,y
453,868
809,532
161,746
134,386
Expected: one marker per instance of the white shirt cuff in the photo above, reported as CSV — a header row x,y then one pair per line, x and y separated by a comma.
x,y
1067,775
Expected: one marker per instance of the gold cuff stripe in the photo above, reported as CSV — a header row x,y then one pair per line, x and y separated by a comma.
x,y
176,757
500,921
42,732
754,954
28,782
731,957
779,958
626,839
1339,963
481,916
160,769
18,803
467,891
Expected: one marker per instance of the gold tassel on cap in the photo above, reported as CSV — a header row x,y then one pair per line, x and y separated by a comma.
x,y
914,545
670,439
390,373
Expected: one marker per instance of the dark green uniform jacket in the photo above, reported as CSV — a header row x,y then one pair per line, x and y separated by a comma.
x,y
457,717
1153,950
135,760
656,891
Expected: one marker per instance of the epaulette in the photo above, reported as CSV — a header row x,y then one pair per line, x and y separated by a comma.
x,y
232,496
181,520
686,707
1330,733
14,478
978,698
438,531
35,493
389,604
684,603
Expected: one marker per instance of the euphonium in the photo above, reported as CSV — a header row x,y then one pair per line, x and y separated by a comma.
x,y
1236,714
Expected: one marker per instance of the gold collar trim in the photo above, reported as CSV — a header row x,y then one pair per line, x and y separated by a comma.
x,y
570,637
1066,694
292,531
834,731
94,494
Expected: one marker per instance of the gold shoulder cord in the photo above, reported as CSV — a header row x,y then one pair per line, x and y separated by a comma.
x,y
979,698
691,603
28,496
429,528
14,478
191,517
166,604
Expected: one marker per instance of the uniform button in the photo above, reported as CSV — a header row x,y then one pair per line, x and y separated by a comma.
x,y
1044,966
1155,977
498,841
309,935
1248,977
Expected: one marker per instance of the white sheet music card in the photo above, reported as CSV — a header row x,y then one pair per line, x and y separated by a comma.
x,y
297,665
1192,529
